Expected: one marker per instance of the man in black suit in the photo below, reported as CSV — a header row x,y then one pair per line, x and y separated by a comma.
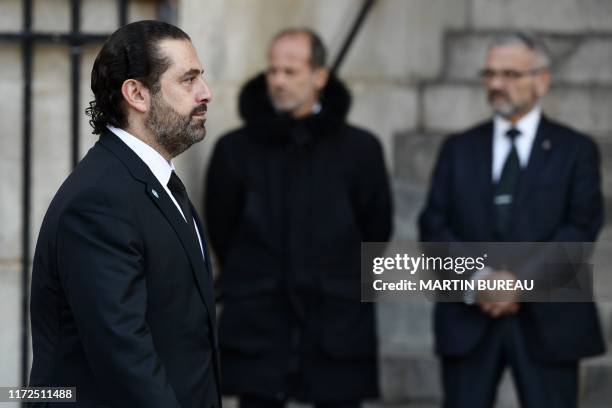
x,y
518,177
122,298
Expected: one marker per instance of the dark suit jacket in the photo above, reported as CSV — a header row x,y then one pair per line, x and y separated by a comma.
x,y
558,199
122,302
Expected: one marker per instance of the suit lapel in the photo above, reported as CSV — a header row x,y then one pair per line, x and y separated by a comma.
x,y
482,156
158,195
206,278
190,243
209,279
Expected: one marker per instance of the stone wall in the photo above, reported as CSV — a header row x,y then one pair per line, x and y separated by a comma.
x,y
412,71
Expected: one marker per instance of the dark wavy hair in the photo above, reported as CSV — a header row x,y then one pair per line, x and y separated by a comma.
x,y
131,52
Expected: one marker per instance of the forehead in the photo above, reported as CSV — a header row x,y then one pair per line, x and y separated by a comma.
x,y
182,55
510,56
291,48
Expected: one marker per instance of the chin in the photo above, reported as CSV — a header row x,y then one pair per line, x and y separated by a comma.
x,y
504,111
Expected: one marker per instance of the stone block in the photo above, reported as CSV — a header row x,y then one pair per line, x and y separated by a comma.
x,y
585,108
403,39
142,10
544,15
465,55
409,200
605,316
11,16
405,328
588,61
577,59
384,109
415,156
605,151
410,377
596,376
506,392
51,139
452,107
10,152
99,16
51,15
10,210
230,402
10,310
601,260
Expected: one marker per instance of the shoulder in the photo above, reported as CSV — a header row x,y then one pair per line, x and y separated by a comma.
x,y
100,183
566,135
235,139
361,139
473,135
464,142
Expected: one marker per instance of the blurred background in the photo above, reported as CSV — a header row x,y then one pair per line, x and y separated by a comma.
x,y
412,69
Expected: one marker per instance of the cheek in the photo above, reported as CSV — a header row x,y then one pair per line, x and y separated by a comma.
x,y
528,93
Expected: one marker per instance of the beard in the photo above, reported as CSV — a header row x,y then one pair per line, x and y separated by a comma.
x,y
503,105
281,104
174,132
286,102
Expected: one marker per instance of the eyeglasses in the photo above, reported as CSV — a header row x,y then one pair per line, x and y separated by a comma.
x,y
508,74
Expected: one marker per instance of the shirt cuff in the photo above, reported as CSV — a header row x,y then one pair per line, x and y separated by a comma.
x,y
469,296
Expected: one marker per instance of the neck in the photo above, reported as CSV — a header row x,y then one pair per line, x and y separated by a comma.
x,y
141,132
303,111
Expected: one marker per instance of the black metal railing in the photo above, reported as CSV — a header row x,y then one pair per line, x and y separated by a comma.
x,y
27,37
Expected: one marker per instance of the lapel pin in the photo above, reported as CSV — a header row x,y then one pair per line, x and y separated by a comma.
x,y
546,145
154,193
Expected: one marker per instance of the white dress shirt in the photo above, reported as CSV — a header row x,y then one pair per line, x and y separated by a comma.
x,y
528,126
161,169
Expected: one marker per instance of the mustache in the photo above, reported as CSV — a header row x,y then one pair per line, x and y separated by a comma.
x,y
198,110
494,93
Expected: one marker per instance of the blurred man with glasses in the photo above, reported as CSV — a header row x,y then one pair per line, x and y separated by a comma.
x,y
519,177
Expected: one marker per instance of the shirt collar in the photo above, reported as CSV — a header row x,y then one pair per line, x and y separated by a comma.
x,y
160,168
527,125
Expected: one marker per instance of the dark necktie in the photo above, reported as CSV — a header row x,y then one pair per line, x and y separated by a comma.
x,y
505,189
177,188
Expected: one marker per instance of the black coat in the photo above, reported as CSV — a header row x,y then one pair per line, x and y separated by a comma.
x,y
558,200
122,299
288,203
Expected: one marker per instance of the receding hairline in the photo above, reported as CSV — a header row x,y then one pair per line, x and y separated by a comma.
x,y
317,57
529,41
292,35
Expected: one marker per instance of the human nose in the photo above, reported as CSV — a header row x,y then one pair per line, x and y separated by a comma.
x,y
204,95
276,78
495,82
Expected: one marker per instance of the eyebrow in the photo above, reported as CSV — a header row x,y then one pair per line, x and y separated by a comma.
x,y
192,72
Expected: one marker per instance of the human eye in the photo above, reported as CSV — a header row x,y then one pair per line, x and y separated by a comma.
x,y
512,74
486,73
